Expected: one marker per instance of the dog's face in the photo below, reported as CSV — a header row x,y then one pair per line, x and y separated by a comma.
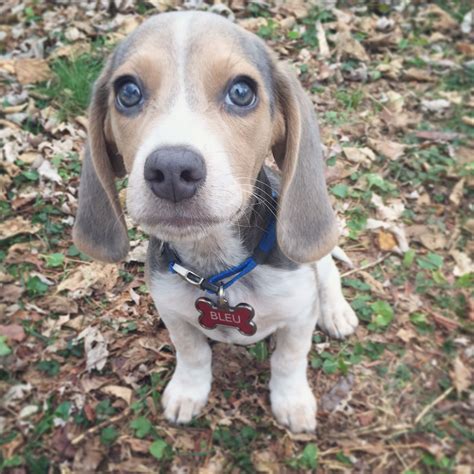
x,y
189,106
197,137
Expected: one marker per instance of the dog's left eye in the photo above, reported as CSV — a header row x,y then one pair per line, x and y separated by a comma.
x,y
241,93
129,94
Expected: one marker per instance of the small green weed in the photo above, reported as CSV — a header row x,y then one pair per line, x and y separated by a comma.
x,y
72,85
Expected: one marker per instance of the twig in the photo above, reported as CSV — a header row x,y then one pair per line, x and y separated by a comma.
x,y
364,267
98,427
432,404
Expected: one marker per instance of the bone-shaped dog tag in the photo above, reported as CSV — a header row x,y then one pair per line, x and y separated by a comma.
x,y
239,317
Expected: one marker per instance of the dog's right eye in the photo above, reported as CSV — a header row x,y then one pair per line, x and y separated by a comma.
x,y
128,94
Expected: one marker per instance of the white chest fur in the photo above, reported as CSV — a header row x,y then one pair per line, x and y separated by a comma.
x,y
278,297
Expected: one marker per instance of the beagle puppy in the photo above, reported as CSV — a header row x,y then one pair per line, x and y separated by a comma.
x,y
189,106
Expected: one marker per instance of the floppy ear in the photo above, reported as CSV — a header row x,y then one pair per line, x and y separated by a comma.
x,y
306,227
99,230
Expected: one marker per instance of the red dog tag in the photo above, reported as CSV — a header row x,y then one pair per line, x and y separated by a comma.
x,y
239,317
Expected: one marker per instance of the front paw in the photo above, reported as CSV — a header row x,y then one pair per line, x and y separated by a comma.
x,y
182,400
338,319
294,407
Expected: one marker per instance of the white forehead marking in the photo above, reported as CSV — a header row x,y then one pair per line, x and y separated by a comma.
x,y
183,125
180,34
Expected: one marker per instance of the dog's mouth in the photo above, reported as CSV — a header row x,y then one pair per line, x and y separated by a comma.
x,y
186,227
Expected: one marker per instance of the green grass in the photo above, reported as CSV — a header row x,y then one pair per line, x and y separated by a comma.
x,y
71,87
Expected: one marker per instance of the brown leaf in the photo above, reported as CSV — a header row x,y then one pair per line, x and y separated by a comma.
x,y
461,376
89,456
406,334
95,347
266,462
359,155
386,241
447,323
468,120
17,225
457,193
95,275
366,418
31,71
464,264
14,332
337,394
437,135
138,445
391,150
347,46
59,304
71,50
466,48
438,19
10,293
120,392
432,238
420,75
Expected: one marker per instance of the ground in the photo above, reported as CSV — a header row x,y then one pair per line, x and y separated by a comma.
x,y
84,357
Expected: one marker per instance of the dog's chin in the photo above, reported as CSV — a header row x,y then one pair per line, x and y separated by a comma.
x,y
184,229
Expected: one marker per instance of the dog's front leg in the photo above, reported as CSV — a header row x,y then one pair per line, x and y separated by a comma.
x,y
337,318
187,392
292,399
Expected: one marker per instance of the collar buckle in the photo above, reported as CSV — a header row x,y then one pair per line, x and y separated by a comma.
x,y
188,275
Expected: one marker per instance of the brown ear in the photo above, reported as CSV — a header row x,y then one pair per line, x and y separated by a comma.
x,y
306,227
99,230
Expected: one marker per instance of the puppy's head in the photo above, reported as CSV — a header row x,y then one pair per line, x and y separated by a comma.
x,y
189,106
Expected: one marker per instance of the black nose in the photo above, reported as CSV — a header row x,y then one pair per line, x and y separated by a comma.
x,y
175,173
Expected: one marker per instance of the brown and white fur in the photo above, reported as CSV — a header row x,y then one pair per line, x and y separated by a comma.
x,y
185,62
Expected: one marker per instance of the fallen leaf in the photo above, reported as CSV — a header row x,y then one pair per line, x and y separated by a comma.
x,y
89,456
265,461
436,18
397,230
16,393
406,334
338,394
435,106
46,170
420,75
14,332
59,304
386,241
391,150
30,157
464,264
461,376
31,71
436,135
51,325
347,47
10,293
95,347
120,392
322,42
449,324
468,120
432,238
467,24
17,225
359,155
94,275
138,445
392,212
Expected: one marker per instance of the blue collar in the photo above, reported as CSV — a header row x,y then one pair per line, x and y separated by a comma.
x,y
215,283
